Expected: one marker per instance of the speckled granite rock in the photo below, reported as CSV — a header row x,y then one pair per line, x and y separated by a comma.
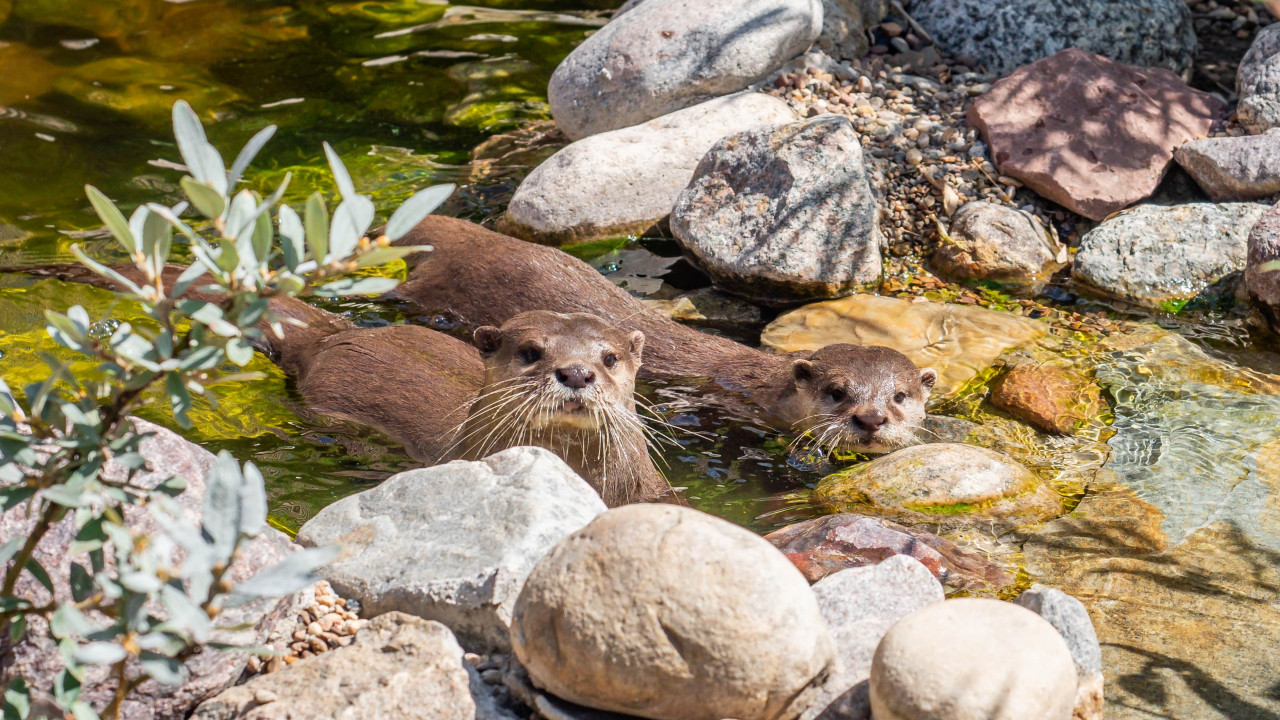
x,y
997,243
1258,82
1234,168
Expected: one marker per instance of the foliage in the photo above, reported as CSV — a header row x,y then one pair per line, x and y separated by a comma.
x,y
69,452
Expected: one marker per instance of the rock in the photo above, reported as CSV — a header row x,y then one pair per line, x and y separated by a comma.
x,y
943,484
997,243
860,605
1069,617
1007,34
972,659
1234,168
845,24
1162,256
1088,133
1054,397
1258,82
665,612
145,90
783,213
831,543
625,181
710,308
455,542
1262,284
959,341
666,55
37,659
398,664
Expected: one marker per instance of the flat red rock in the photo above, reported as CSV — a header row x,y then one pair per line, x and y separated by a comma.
x,y
1088,133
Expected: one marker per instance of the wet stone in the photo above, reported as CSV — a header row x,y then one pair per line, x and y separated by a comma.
x,y
826,545
1054,397
144,90
1261,282
943,485
1069,617
986,241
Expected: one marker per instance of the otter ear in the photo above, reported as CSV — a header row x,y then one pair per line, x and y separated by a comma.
x,y
802,371
487,338
928,377
637,344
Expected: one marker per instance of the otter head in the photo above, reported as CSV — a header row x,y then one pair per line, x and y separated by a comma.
x,y
560,371
860,399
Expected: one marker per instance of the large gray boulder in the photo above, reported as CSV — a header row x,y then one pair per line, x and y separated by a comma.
x,y
37,659
398,666
1162,256
1234,168
860,605
666,612
665,55
972,659
784,213
1004,35
626,181
1262,282
454,542
1258,82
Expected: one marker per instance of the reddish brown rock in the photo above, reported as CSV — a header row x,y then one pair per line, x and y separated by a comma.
x,y
1054,398
822,546
1088,133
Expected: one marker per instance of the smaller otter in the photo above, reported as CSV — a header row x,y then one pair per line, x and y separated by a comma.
x,y
562,382
485,277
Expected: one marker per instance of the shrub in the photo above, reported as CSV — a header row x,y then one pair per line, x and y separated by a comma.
x,y
143,605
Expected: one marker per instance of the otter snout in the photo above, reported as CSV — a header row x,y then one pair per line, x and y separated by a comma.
x,y
870,421
577,377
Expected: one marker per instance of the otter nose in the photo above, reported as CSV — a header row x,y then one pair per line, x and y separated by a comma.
x,y
575,376
871,421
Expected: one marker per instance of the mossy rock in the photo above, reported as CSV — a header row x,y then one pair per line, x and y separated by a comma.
x,y
104,19
24,73
948,485
145,90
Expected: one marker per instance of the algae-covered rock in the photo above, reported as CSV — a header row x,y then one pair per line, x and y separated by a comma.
x,y
24,73
500,95
145,90
944,484
1054,397
959,341
105,19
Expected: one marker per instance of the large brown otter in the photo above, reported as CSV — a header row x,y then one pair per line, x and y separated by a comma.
x,y
562,382
485,277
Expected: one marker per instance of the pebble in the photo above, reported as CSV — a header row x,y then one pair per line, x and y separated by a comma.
x,y
324,625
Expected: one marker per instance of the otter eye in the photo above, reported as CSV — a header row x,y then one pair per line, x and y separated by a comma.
x,y
900,398
530,355
610,360
837,394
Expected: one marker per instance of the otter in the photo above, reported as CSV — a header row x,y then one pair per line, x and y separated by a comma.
x,y
564,382
484,278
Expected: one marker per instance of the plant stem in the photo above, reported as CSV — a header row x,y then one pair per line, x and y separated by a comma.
x,y
52,513
123,686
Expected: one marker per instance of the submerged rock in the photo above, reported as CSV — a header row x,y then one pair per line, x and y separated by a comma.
x,y
454,542
661,56
398,664
624,182
1234,168
860,605
958,341
37,658
972,659
145,90
1090,134
1162,256
1258,82
943,484
665,612
831,543
1004,35
1069,617
711,308
783,213
997,243
1055,397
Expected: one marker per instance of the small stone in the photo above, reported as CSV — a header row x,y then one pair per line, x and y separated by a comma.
x,y
914,157
1234,168
492,676
892,29
992,242
972,659
943,485
265,696
1054,397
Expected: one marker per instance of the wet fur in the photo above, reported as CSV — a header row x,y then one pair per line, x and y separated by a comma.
x,y
484,278
427,390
